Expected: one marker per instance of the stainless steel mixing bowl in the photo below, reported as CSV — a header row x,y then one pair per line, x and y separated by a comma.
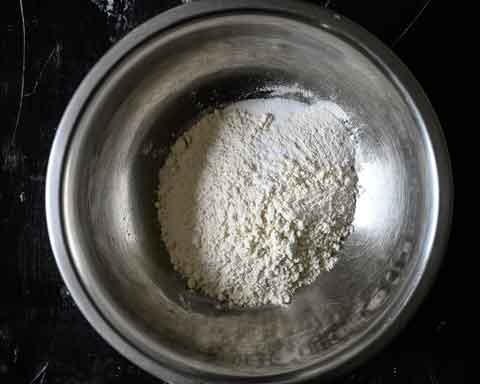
x,y
116,132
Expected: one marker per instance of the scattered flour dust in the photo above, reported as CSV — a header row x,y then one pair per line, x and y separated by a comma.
x,y
255,200
113,8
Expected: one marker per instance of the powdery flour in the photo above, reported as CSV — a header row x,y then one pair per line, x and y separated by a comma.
x,y
255,200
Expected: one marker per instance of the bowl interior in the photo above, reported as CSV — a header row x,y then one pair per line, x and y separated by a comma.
x,y
111,177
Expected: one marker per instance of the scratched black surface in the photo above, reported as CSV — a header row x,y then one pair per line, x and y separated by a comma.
x,y
46,49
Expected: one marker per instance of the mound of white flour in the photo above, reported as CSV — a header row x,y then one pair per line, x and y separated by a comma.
x,y
255,200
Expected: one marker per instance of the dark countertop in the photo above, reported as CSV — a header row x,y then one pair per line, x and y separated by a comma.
x,y
46,49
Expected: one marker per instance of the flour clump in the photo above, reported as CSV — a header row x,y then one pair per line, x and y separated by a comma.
x,y
255,200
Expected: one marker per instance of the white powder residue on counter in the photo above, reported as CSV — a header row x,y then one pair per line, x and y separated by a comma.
x,y
255,200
